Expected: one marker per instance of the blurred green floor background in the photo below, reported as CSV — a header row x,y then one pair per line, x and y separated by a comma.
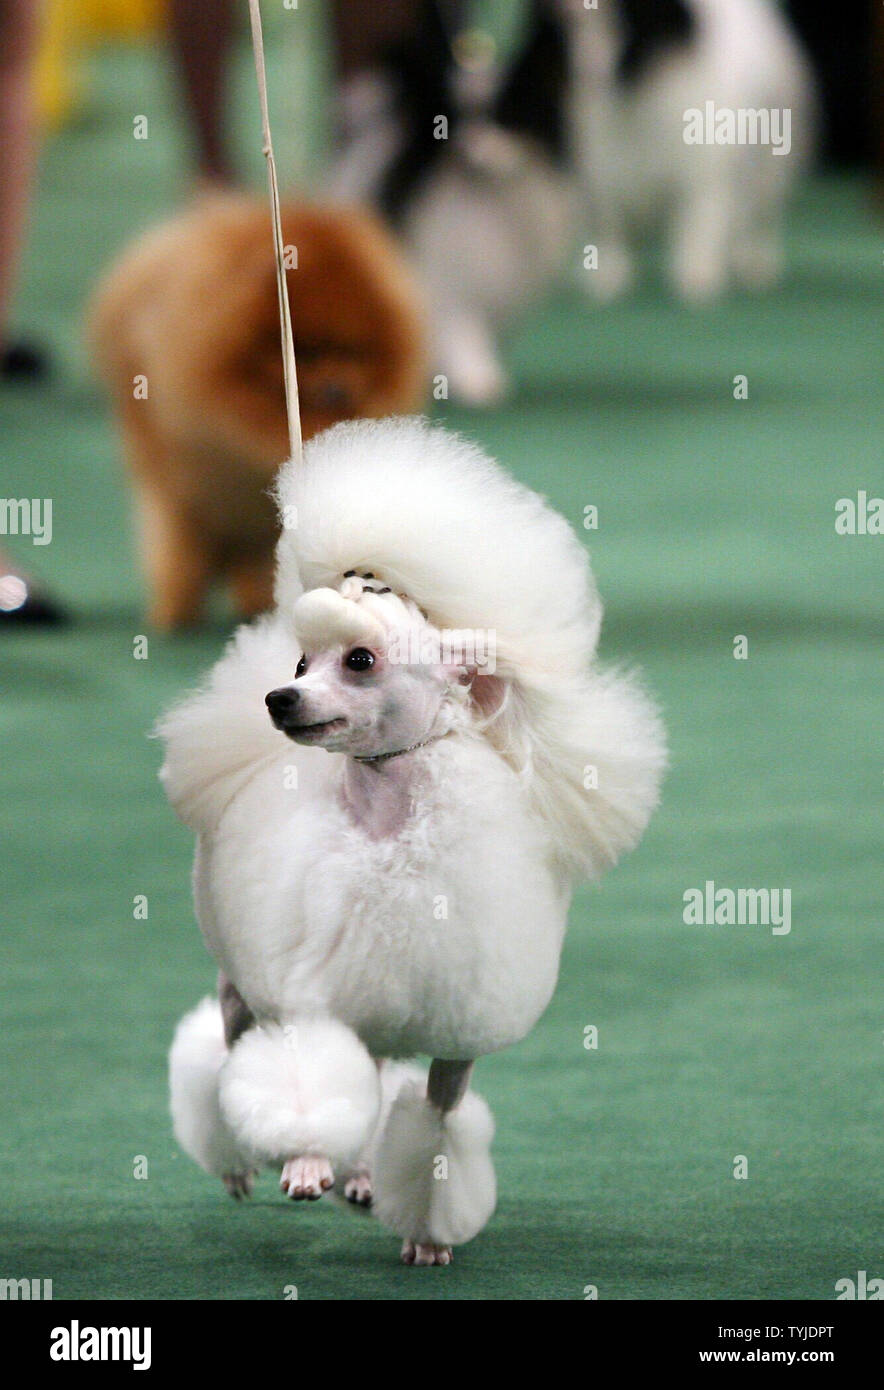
x,y
716,518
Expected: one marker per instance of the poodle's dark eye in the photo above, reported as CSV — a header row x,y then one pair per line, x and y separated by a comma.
x,y
301,667
360,659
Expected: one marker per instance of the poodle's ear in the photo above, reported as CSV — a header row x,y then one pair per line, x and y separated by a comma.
x,y
590,752
487,693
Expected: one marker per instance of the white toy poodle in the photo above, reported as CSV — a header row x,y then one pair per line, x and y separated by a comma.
x,y
389,838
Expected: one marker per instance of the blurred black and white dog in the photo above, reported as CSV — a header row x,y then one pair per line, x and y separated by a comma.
x,y
613,119
468,160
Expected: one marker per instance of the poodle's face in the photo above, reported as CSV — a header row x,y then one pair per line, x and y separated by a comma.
x,y
361,687
356,700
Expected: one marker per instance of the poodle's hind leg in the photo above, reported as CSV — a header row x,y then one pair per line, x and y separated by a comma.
x,y
358,1187
447,1085
236,1017
434,1180
355,1182
426,1253
239,1184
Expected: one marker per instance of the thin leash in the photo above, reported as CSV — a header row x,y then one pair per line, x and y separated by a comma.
x,y
288,342
290,370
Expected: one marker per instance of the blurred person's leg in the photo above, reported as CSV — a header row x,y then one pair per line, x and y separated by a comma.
x,y
878,93
363,31
19,29
20,601
202,34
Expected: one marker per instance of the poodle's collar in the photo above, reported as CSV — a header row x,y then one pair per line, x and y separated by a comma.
x,y
397,752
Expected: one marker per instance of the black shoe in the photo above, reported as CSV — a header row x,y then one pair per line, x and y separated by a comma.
x,y
22,604
23,361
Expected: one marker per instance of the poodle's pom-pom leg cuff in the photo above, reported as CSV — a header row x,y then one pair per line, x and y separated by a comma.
x,y
434,1179
196,1057
307,1087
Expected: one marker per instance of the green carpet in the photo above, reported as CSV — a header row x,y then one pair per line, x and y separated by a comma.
x,y
615,1165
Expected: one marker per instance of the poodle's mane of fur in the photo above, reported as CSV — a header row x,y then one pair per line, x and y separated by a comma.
x,y
435,518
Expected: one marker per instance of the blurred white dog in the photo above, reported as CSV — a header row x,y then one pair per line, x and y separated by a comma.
x,y
387,850
690,116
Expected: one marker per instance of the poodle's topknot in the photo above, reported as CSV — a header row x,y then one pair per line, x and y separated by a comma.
x,y
443,523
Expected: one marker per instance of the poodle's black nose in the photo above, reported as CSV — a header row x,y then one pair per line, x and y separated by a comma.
x,y
282,704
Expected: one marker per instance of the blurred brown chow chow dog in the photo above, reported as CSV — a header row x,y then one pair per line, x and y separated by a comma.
x,y
185,333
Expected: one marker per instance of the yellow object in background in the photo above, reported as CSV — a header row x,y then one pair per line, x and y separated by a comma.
x,y
69,26
104,19
56,76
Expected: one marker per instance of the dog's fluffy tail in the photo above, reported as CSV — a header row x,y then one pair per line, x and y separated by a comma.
x,y
433,1176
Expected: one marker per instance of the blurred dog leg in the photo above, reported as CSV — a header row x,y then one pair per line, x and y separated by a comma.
x,y
701,230
177,563
757,253
252,585
466,354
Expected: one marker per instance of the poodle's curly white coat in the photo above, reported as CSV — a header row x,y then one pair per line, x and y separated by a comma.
x,y
320,926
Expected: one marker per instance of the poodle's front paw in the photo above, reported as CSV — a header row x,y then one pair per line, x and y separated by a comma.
x,y
239,1185
308,1176
413,1253
358,1188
